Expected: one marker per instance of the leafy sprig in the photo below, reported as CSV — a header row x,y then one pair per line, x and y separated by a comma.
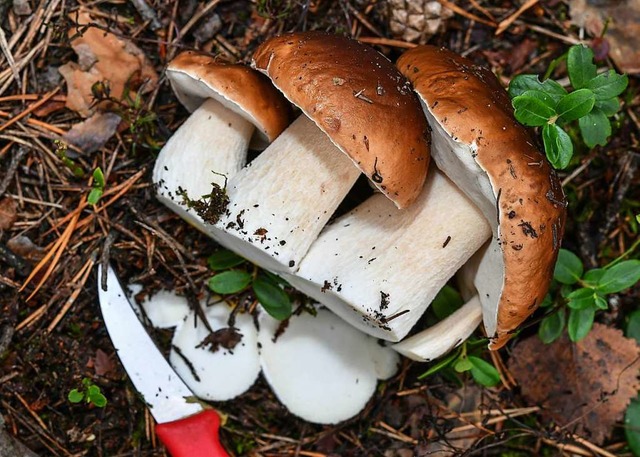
x,y
89,393
584,293
548,105
267,287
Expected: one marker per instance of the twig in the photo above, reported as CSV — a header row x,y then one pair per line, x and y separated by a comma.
x,y
7,53
456,9
31,108
505,24
148,14
15,163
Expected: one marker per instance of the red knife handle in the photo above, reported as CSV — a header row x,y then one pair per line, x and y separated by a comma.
x,y
193,436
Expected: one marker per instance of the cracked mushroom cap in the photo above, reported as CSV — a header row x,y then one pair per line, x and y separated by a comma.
x,y
195,77
482,148
360,100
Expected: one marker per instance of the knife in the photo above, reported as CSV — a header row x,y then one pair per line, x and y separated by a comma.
x,y
185,427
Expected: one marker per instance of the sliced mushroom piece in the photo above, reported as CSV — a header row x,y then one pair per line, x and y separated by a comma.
x,y
218,366
379,268
480,146
354,101
320,368
444,336
232,105
165,309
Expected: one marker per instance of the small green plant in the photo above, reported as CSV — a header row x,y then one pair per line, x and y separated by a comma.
x,y
632,415
549,105
61,152
467,357
89,393
267,287
582,293
98,187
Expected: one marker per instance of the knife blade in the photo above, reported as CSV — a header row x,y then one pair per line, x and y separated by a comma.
x,y
185,427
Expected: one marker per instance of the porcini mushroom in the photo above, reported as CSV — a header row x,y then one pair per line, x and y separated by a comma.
x,y
232,105
353,100
379,268
479,145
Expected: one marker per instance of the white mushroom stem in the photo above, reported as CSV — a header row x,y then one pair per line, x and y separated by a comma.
x,y
216,375
447,334
281,201
379,268
320,368
210,147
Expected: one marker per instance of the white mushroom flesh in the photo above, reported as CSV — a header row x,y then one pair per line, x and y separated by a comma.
x,y
320,368
457,161
165,309
216,375
447,334
379,268
210,147
280,202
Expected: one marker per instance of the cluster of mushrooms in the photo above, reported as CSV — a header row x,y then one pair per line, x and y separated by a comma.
x,y
491,210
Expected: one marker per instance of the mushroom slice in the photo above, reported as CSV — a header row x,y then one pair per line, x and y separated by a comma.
x,y
165,309
447,334
212,373
379,268
232,105
320,368
480,146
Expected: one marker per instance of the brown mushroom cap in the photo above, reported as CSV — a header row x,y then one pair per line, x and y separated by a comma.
x,y
196,77
514,185
360,100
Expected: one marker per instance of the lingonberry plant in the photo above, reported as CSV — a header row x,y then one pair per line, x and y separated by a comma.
x,y
547,104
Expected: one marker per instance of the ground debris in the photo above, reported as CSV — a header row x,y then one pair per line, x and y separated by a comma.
x,y
585,386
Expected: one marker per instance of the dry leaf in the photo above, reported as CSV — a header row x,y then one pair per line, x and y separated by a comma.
x,y
102,363
25,248
623,29
103,57
8,213
585,386
91,134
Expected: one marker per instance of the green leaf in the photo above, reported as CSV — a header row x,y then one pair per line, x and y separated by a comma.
x,y
98,178
619,277
569,267
592,277
223,260
600,301
557,145
463,364
582,298
532,111
94,196
580,323
608,85
580,66
440,365
595,128
75,396
575,105
633,325
551,326
523,83
632,426
608,107
446,302
483,372
274,300
98,399
547,301
229,282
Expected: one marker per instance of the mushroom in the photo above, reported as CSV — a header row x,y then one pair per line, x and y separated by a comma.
x,y
352,99
479,145
321,368
379,268
221,365
232,106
